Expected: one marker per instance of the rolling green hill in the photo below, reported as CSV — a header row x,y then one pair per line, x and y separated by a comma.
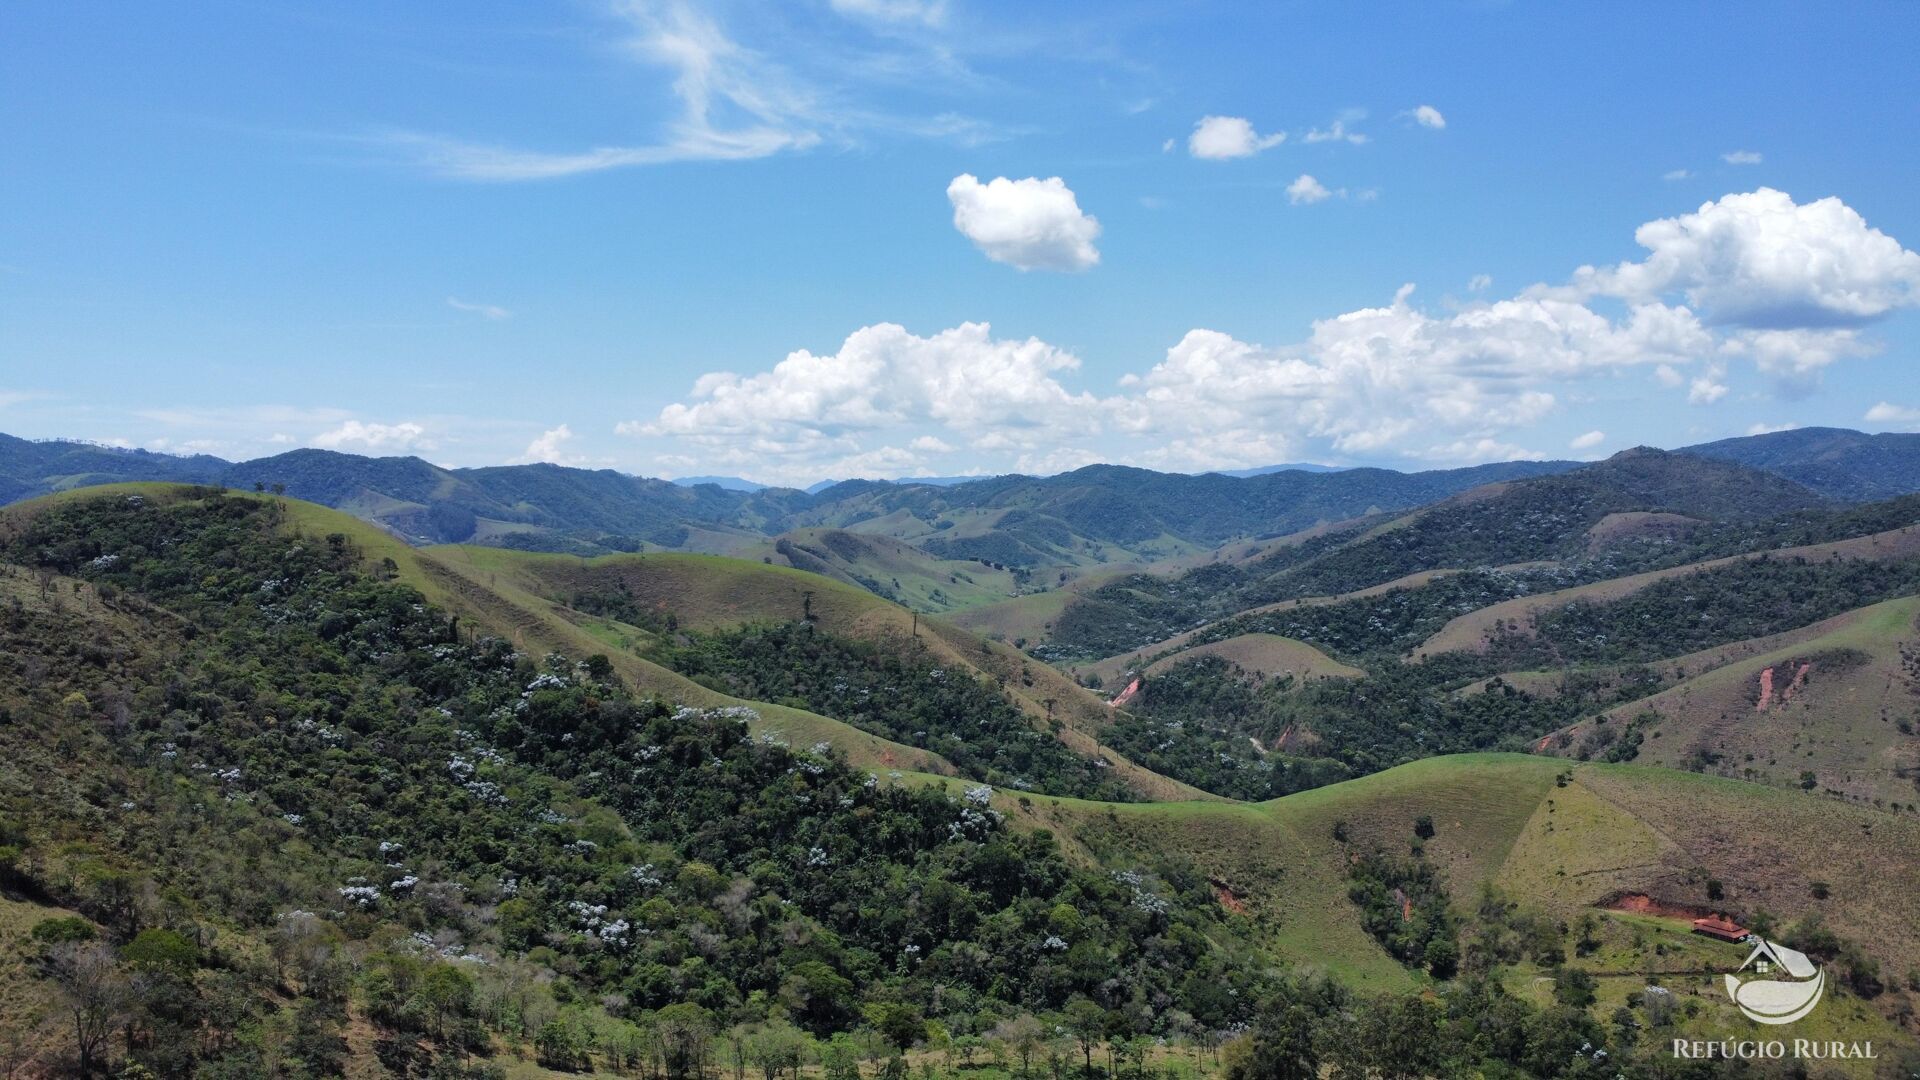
x,y
261,748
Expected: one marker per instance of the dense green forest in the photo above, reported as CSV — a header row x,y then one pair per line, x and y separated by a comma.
x,y
892,689
329,752
1225,730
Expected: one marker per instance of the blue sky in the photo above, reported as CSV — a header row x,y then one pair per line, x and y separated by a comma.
x,y
897,237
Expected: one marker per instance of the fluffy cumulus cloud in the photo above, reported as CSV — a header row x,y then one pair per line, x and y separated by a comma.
x,y
1762,260
375,438
1751,281
1029,224
1306,189
1222,138
549,448
1887,414
1428,117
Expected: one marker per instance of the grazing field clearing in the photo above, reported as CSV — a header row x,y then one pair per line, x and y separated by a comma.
x,y
1830,700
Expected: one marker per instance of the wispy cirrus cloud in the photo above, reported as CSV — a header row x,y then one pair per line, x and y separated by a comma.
x,y
490,312
729,101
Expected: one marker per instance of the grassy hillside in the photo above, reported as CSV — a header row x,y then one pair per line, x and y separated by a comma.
x,y
1561,836
710,592
1835,705
1266,655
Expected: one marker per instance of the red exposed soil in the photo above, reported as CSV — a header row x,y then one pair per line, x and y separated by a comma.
x,y
1766,690
1228,900
1642,904
1133,689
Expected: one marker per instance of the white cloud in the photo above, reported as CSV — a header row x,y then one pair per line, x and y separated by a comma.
x,y
1337,131
1796,353
1030,224
1769,429
1392,381
1741,157
1429,117
929,12
548,448
1479,283
1220,138
1307,190
9,398
1676,174
1588,441
485,311
1897,415
1761,260
1707,388
961,379
375,437
734,104
1475,451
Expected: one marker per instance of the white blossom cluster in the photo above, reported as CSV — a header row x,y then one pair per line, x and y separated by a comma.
x,y
1144,898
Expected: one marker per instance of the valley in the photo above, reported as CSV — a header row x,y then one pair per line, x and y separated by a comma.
x,y
464,806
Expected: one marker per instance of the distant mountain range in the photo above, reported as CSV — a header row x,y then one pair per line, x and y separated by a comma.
x,y
1098,514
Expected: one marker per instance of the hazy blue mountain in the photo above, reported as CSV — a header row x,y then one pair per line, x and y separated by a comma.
x,y
728,483
1835,462
1299,466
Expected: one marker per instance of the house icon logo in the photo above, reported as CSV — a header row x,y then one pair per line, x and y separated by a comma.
x,y
1776,985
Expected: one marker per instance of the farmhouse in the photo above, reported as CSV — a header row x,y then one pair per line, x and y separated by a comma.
x,y
1719,926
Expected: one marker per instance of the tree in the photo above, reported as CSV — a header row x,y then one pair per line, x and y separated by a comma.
x,y
900,1024
1024,1034
1281,1046
840,1058
685,1029
447,993
1086,1022
1574,988
774,1046
558,1045
95,996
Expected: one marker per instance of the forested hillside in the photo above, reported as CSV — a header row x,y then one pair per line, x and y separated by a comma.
x,y
285,798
